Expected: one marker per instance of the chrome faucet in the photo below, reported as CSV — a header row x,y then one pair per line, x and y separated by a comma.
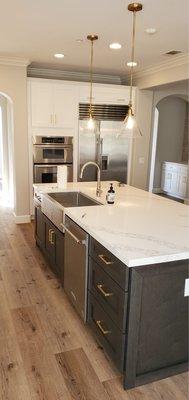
x,y
98,189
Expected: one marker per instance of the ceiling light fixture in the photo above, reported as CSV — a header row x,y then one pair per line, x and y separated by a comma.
x,y
59,55
115,46
91,122
132,64
130,128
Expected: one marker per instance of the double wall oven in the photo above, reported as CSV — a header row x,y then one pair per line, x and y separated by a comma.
x,y
48,153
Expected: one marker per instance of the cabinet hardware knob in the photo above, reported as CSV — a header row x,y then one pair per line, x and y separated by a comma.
x,y
105,294
105,259
99,324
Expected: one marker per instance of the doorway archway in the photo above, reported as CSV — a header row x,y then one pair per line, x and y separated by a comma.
x,y
6,150
169,136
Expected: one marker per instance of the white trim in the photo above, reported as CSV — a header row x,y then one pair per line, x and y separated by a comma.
x,y
50,73
157,190
182,59
153,149
16,61
21,219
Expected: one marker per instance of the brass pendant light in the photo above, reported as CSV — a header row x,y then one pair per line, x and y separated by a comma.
x,y
91,121
130,127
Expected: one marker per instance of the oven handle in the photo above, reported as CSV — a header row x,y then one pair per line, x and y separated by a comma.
x,y
52,165
54,146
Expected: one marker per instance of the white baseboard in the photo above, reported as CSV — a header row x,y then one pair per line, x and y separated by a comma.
x,y
22,219
157,190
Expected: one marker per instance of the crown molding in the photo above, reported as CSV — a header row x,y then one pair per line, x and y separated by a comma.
x,y
179,60
37,72
16,61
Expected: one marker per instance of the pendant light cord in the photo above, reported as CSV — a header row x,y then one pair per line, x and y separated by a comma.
x,y
132,58
91,81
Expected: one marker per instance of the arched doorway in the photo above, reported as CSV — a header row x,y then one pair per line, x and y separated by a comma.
x,y
169,137
6,151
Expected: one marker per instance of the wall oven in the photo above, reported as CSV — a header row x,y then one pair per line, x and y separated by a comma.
x,y
47,173
48,153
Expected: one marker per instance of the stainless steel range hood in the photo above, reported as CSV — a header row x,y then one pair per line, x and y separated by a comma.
x,y
104,112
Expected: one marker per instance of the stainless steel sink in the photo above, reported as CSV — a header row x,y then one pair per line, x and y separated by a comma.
x,y
73,199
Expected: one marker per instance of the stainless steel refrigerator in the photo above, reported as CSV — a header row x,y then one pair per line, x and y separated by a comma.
x,y
105,145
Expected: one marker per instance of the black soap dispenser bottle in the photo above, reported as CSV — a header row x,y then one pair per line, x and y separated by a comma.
x,y
110,197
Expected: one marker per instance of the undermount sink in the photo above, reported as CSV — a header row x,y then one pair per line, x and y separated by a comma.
x,y
73,199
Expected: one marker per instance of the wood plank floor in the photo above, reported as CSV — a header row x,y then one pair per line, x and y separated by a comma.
x,y
46,353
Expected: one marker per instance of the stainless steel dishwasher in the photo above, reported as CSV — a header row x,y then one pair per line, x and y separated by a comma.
x,y
76,266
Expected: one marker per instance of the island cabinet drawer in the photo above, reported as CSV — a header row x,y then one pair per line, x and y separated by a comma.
x,y
114,267
108,293
106,332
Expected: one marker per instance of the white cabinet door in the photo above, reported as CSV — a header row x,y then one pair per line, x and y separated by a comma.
x,y
182,185
174,182
168,181
102,95
65,106
41,104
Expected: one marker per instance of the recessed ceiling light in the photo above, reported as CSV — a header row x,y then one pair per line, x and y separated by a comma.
x,y
132,64
79,40
59,55
115,46
150,31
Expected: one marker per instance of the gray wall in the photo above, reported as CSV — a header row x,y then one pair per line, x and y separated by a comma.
x,y
172,117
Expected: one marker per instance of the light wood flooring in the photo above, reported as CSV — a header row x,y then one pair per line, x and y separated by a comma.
x,y
46,353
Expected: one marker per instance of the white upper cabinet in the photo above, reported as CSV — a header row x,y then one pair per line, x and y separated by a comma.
x,y
105,94
65,105
41,104
53,105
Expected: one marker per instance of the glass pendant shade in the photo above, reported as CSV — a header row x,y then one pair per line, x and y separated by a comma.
x,y
91,123
130,128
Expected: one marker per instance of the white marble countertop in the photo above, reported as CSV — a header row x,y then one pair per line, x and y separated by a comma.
x,y
141,228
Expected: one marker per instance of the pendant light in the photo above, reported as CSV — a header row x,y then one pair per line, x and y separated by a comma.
x,y
91,121
130,128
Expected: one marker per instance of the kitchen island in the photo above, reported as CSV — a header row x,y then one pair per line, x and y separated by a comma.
x,y
139,253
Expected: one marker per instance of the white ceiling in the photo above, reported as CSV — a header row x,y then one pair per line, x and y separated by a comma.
x,y
38,29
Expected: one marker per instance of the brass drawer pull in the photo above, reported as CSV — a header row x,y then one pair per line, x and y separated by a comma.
x,y
104,259
52,233
105,294
105,332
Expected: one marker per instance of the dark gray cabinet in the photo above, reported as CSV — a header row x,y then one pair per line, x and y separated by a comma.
x,y
39,227
51,242
139,315
107,301
157,331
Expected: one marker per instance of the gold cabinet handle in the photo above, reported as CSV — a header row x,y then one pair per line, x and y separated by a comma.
x,y
52,233
105,294
99,324
51,118
105,259
55,119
